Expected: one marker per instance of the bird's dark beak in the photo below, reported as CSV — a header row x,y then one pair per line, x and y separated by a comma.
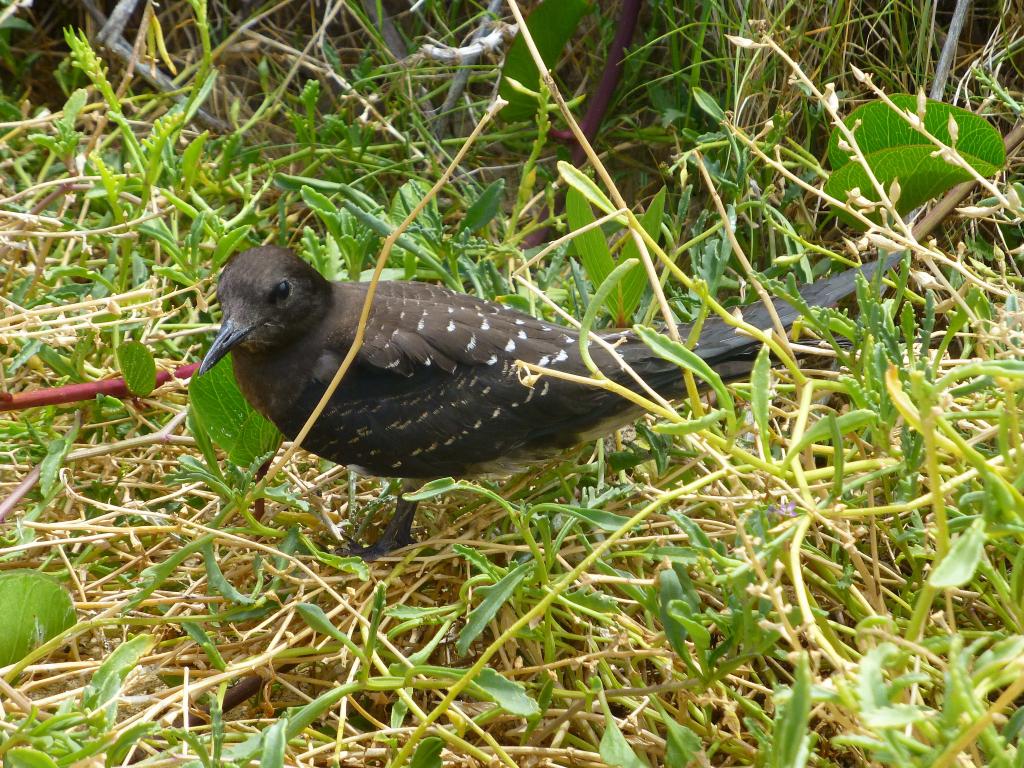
x,y
228,336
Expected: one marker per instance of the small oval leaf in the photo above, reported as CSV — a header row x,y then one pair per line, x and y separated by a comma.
x,y
958,566
137,366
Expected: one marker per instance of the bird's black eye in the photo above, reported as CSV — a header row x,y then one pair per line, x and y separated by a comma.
x,y
280,291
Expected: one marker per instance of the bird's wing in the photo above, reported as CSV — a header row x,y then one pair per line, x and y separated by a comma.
x,y
417,324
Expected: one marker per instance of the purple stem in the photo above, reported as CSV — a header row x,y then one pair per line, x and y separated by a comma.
x,y
598,106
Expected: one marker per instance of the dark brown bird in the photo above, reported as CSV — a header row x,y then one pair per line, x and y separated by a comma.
x,y
434,390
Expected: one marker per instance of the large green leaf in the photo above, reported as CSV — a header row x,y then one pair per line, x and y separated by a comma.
x,y
232,423
597,259
590,246
551,24
881,128
895,151
35,608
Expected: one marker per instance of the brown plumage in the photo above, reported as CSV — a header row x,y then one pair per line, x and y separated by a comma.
x,y
434,390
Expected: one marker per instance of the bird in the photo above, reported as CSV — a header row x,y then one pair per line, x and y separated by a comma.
x,y
435,390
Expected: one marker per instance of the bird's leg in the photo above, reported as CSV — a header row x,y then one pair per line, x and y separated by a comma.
x,y
398,533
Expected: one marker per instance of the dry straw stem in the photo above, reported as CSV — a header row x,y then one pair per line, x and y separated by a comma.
x,y
538,610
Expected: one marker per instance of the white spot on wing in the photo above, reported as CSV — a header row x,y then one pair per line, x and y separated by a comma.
x,y
562,355
492,359
522,335
451,326
484,325
472,342
544,389
520,321
421,323
495,413
544,361
511,346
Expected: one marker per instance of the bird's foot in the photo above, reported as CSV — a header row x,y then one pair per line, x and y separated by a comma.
x,y
384,546
398,534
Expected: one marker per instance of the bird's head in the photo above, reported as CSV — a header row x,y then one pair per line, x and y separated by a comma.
x,y
268,296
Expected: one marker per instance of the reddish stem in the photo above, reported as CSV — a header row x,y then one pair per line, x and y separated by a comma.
x,y
611,75
598,105
73,393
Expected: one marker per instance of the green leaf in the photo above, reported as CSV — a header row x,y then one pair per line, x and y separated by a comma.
x,y
614,748
824,429
882,128
497,596
228,244
154,575
137,366
551,24
591,246
606,521
894,150
49,469
958,566
129,739
484,208
26,757
218,580
708,104
670,590
690,426
35,608
190,160
683,745
104,689
675,352
760,388
635,283
681,611
231,422
203,640
791,736
318,621
508,695
427,754
586,186
275,739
